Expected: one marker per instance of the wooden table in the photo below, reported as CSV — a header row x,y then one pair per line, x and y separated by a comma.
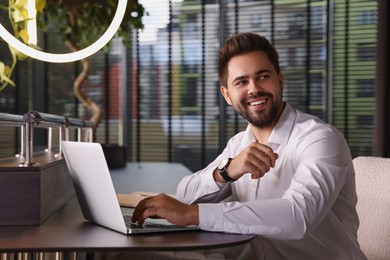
x,y
67,231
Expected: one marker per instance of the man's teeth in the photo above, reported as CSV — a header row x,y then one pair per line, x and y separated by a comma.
x,y
256,103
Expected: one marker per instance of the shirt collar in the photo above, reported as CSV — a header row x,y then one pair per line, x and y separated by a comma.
x,y
283,128
281,132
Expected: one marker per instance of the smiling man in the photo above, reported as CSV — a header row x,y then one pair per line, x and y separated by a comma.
x,y
289,176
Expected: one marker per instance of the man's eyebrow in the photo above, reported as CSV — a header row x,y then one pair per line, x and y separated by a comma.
x,y
262,71
240,78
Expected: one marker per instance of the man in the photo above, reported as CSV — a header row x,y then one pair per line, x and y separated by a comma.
x,y
290,175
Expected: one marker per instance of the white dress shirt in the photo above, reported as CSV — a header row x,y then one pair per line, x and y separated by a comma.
x,y
304,206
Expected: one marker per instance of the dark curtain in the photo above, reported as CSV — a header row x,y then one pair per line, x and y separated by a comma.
x,y
382,119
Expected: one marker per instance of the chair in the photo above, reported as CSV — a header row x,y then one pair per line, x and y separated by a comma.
x,y
373,207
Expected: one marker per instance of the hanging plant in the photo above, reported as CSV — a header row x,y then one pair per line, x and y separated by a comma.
x,y
18,17
80,22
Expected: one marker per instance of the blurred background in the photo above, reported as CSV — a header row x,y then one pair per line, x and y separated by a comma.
x,y
160,95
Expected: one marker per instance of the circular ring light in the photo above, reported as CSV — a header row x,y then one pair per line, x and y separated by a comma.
x,y
72,56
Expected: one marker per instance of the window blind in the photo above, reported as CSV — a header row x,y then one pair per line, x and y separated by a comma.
x,y
321,50
354,72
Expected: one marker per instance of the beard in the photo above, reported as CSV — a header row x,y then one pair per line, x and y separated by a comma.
x,y
261,118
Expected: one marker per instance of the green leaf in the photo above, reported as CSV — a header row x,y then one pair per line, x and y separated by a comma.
x,y
5,72
40,5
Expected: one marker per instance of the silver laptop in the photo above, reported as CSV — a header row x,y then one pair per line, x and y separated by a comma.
x,y
96,194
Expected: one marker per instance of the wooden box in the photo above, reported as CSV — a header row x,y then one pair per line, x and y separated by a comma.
x,y
29,195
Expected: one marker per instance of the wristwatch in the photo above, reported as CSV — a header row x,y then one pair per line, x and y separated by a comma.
x,y
222,169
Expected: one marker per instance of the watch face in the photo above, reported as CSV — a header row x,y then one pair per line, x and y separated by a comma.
x,y
223,163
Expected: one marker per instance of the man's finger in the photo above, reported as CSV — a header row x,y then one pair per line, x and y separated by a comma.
x,y
140,208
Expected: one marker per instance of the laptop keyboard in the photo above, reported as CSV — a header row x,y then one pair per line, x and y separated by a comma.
x,y
149,223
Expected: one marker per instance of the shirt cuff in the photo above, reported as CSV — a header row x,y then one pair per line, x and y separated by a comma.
x,y
210,216
221,184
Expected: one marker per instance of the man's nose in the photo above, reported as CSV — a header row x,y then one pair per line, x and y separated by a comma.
x,y
254,87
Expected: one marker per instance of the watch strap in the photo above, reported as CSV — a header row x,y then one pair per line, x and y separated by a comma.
x,y
224,174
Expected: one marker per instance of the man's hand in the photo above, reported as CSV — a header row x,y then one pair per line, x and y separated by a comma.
x,y
256,159
164,206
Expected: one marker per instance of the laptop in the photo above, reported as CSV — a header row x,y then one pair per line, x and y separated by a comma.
x,y
96,194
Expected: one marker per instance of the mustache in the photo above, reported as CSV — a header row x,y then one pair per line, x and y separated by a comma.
x,y
258,95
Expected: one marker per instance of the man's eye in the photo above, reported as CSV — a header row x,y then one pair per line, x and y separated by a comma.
x,y
241,82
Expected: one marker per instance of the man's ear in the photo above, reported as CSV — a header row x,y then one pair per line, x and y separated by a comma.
x,y
225,94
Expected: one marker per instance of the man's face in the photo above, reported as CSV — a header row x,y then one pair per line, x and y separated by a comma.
x,y
254,88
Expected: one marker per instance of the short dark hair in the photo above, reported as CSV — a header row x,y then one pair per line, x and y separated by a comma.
x,y
242,43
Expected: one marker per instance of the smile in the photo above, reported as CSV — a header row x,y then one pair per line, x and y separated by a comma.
x,y
257,102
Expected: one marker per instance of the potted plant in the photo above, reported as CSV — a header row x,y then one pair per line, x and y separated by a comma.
x,y
79,22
